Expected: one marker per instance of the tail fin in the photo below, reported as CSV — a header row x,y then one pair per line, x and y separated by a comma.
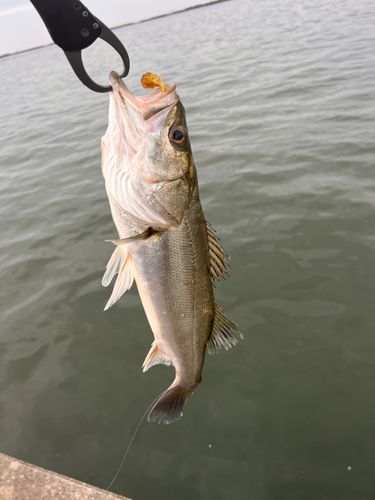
x,y
169,406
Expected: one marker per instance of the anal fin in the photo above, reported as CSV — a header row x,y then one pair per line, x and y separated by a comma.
x,y
155,356
222,334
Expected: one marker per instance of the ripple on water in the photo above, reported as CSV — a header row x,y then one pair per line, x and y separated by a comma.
x,y
280,106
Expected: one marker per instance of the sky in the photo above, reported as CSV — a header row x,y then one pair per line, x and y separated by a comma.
x,y
21,27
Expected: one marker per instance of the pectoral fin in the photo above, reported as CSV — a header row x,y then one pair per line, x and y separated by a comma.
x,y
218,256
121,263
143,236
155,357
222,333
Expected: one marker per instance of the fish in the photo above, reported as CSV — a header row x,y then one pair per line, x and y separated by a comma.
x,y
165,244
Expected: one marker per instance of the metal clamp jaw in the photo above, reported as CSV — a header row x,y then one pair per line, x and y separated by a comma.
x,y
73,28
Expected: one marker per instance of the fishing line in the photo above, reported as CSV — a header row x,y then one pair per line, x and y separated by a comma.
x,y
132,439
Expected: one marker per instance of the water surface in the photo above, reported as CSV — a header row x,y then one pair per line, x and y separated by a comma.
x,y
280,106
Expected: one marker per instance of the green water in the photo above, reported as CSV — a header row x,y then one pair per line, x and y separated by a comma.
x,y
280,106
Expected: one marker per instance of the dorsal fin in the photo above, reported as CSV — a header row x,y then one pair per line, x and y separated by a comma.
x,y
121,263
155,356
218,256
222,332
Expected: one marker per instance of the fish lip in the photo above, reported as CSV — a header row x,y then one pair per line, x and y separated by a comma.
x,y
118,86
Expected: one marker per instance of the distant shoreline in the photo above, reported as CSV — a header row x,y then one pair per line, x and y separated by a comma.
x,y
198,6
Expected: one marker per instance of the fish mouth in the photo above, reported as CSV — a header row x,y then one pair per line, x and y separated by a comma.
x,y
149,105
139,117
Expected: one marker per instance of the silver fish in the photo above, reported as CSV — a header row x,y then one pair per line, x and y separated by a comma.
x,y
164,242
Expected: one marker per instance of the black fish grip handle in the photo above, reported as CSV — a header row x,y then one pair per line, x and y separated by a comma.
x,y
73,28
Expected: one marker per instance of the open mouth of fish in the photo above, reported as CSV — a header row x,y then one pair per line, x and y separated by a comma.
x,y
141,116
146,106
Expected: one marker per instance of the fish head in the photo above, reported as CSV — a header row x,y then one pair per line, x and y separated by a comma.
x,y
147,161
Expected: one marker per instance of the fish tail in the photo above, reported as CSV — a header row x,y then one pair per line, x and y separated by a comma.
x,y
169,406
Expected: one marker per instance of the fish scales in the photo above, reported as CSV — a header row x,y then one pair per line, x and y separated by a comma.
x,y
177,294
165,243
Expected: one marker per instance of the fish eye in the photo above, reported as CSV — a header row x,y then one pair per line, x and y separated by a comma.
x,y
178,136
